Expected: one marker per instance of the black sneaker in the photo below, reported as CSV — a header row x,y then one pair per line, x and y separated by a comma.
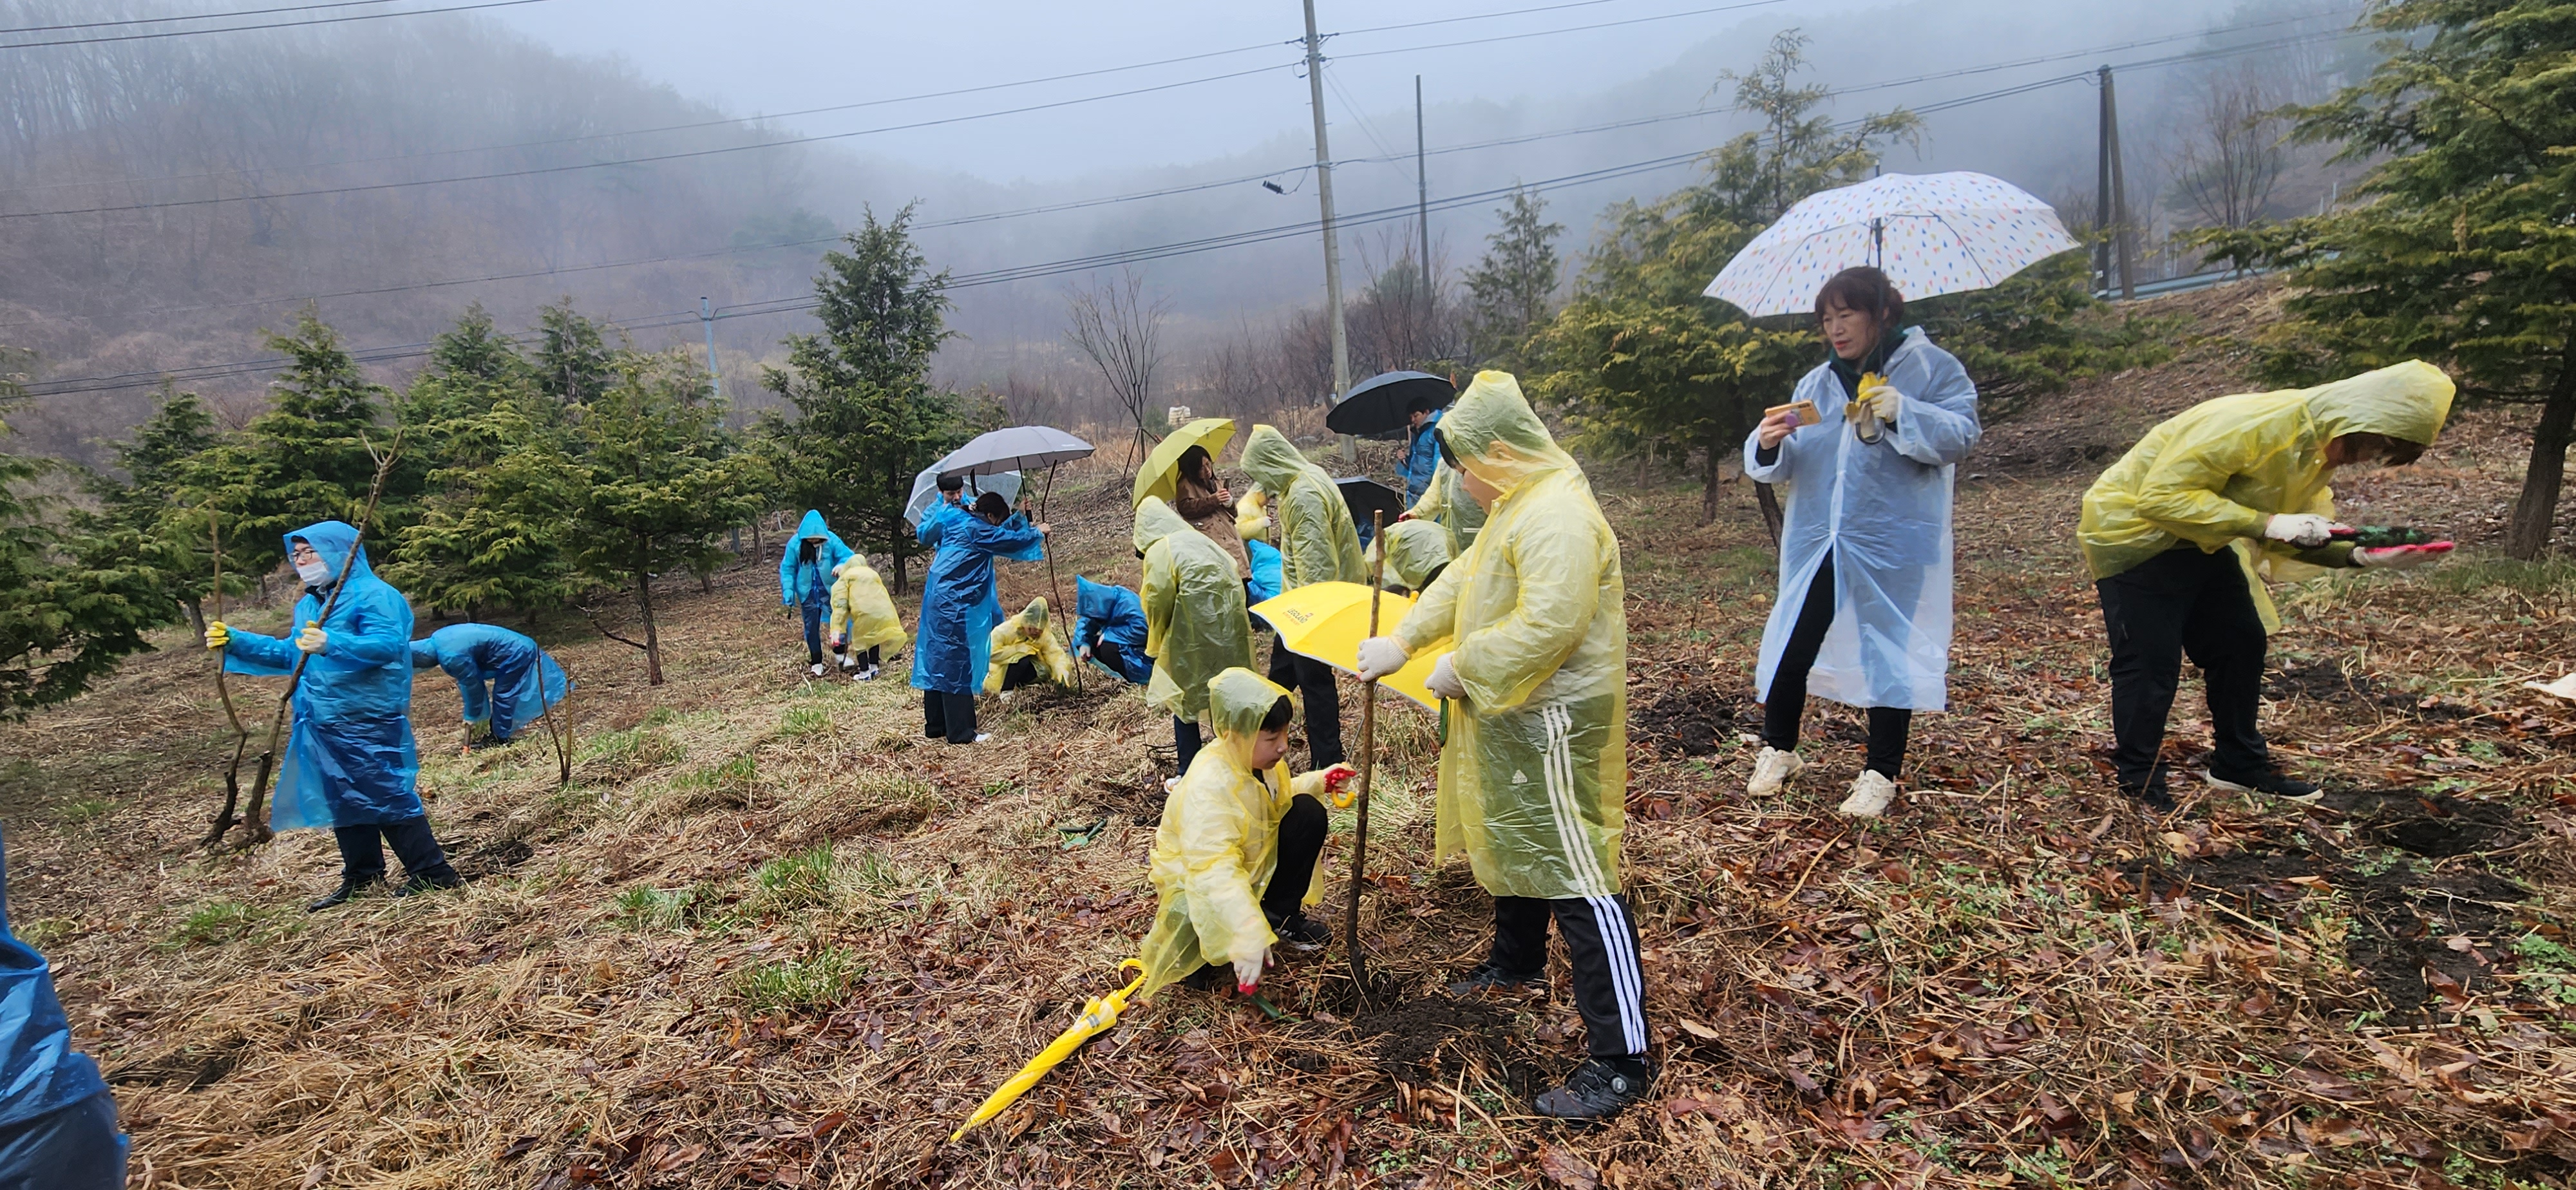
x,y
2151,796
1299,932
342,895
1598,1089
2272,782
1489,978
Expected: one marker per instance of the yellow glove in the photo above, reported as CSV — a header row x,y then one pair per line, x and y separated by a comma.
x,y
1876,402
218,634
312,639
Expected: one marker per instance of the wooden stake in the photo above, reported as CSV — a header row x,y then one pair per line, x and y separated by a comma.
x,y
223,690
1368,768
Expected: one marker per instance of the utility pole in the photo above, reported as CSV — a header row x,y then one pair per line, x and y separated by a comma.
x,y
2112,206
1332,244
707,317
1422,207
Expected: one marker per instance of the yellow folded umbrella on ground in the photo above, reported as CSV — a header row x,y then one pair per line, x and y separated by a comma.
x,y
1162,465
1097,1017
1327,621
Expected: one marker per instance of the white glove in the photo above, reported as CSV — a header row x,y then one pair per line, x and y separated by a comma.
x,y
1247,970
1882,401
312,639
1444,678
1380,656
2302,529
2401,557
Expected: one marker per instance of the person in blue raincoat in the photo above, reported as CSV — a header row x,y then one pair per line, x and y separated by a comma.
x,y
805,579
1109,629
959,606
503,678
1863,614
1421,450
349,764
57,1121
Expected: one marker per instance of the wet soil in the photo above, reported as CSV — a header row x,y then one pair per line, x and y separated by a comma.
x,y
2324,682
1437,1036
1691,721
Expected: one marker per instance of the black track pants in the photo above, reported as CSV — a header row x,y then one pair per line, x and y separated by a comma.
x,y
2179,602
1601,939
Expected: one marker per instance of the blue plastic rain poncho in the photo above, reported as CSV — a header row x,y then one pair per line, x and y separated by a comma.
x,y
1534,775
1883,509
1308,520
40,1072
1194,611
1105,613
1218,844
959,600
1263,568
503,678
349,757
806,582
1421,458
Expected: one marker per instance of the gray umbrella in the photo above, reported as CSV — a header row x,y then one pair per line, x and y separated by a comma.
x,y
1014,448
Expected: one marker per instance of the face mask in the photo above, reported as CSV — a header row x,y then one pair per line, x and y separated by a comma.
x,y
313,573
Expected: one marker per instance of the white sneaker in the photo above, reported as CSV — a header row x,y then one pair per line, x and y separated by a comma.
x,y
1772,771
983,736
816,671
1870,794
1171,785
866,675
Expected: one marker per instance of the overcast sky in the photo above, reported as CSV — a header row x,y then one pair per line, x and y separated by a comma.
x,y
776,56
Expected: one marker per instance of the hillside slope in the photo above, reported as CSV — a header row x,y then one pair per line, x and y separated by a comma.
x,y
661,977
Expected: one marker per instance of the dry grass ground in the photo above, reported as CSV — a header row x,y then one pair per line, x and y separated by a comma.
x,y
769,936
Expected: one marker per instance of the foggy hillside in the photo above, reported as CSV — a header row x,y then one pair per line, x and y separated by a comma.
x,y
167,199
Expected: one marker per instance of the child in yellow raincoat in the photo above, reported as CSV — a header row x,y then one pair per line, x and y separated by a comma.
x,y
1530,633
2175,533
863,619
1023,646
1234,860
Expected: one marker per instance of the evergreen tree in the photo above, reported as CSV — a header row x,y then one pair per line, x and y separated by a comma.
x,y
649,479
64,621
142,518
1509,290
490,528
305,459
574,362
867,419
2465,251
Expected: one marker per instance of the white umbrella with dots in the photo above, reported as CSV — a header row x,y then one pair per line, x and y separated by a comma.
x,y
1931,233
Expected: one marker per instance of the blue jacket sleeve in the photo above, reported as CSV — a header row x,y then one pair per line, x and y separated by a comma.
x,y
382,633
262,656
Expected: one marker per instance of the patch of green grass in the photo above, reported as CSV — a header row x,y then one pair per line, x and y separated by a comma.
x,y
2466,576
804,880
806,720
2542,954
817,981
1000,787
83,811
225,920
647,907
46,931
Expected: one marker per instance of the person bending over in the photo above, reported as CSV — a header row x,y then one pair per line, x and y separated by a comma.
x,y
1025,648
503,680
863,623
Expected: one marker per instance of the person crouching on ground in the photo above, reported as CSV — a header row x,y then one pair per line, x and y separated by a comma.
x,y
2174,532
1109,630
1024,648
1530,633
959,606
350,763
863,623
805,570
1234,860
1863,615
1195,625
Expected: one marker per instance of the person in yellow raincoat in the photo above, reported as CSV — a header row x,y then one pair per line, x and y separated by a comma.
x,y
1317,544
1025,648
863,619
1531,635
1449,506
1234,859
1416,552
1195,625
2178,532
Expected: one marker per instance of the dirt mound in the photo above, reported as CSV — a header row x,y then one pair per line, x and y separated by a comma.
x,y
1691,721
1421,1040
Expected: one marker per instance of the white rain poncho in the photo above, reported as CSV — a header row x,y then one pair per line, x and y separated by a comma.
x,y
1883,509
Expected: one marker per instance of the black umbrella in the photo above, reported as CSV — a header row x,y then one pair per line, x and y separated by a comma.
x,y
1363,496
1379,405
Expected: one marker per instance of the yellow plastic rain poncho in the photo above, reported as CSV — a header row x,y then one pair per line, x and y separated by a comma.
x,y
2215,474
1533,779
1449,506
1414,549
1013,640
1310,524
1195,625
862,614
1219,842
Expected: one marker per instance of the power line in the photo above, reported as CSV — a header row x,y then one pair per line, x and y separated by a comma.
x,y
1668,16
211,16
342,20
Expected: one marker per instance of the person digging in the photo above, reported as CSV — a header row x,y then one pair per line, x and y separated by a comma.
x,y
2180,532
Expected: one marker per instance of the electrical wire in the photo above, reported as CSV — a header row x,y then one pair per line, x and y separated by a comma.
x,y
364,16
211,16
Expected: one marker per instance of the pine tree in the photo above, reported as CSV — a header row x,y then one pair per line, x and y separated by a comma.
x,y
650,478
574,362
306,459
64,621
1508,291
142,519
2463,251
867,419
490,528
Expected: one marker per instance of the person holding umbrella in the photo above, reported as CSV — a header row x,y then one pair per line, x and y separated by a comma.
x,y
1317,544
1204,501
1863,614
1530,632
805,570
960,604
1421,452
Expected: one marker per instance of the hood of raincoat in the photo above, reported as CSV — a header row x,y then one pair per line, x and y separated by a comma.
x,y
333,540
1498,437
1155,521
2409,400
1033,618
1252,516
1237,701
1414,549
829,558
1272,461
